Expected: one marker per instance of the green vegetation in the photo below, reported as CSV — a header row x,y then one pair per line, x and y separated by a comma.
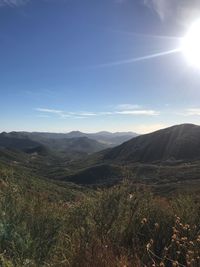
x,y
46,223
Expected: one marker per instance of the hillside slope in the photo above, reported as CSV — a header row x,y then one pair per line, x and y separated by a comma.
x,y
15,141
180,142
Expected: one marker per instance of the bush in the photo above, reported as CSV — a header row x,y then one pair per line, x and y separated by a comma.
x,y
120,226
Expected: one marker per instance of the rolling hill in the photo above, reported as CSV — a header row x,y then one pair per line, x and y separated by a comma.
x,y
16,141
171,155
165,157
180,142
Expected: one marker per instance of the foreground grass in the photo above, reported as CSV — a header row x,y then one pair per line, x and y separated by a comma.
x,y
119,226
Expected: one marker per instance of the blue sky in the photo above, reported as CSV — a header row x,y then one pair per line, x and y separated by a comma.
x,y
80,65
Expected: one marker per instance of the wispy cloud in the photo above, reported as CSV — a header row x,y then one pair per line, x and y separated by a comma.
x,y
87,114
138,112
180,10
128,106
13,3
161,7
103,113
123,109
17,3
48,110
192,112
79,117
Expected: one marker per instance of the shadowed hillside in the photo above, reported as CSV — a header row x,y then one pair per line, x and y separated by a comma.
x,y
181,142
33,143
15,141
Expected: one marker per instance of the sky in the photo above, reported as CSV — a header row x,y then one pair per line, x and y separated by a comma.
x,y
94,65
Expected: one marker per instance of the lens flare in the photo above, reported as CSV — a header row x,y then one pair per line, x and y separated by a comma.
x,y
191,45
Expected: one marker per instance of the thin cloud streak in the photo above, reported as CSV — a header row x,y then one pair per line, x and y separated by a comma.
x,y
125,112
192,112
138,112
87,114
181,11
161,7
18,3
127,106
13,3
48,110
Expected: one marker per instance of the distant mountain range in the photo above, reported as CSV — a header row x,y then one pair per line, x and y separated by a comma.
x,y
65,144
110,139
179,142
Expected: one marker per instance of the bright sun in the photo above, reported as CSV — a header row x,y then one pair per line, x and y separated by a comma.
x,y
191,44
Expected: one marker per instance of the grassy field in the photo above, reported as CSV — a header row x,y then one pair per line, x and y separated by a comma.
x,y
46,223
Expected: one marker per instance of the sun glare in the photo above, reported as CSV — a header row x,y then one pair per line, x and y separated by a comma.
x,y
191,45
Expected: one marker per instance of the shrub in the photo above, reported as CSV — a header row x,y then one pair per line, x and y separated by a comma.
x,y
123,225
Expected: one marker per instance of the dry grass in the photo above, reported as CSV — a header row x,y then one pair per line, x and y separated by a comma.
x,y
120,226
